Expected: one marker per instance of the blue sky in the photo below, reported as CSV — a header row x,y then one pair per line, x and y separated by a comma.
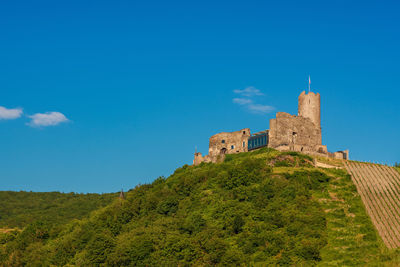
x,y
103,95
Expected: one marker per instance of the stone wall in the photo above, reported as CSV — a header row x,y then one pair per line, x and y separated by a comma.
x,y
341,154
229,143
222,144
296,133
310,107
198,158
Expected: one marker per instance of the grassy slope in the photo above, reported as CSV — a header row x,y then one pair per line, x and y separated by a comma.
x,y
230,213
352,238
17,209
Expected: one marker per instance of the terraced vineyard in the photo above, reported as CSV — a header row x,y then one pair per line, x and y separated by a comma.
x,y
379,188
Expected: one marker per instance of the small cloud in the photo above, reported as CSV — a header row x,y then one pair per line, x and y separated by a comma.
x,y
242,101
47,119
248,94
249,91
10,114
260,109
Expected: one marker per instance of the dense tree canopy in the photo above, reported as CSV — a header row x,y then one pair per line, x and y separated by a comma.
x,y
262,207
18,209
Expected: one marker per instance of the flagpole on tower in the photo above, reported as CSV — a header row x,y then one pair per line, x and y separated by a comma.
x,y
309,83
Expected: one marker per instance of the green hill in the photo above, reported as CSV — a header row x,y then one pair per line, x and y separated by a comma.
x,y
17,209
257,208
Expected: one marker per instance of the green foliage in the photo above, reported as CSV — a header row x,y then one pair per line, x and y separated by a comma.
x,y
17,209
352,238
239,212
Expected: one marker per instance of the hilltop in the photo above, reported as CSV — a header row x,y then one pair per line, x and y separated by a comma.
x,y
261,208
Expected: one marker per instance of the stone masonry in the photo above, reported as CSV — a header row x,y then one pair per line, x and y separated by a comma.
x,y
296,133
310,107
224,143
299,133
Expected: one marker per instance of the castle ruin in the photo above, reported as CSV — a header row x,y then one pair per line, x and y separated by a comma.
x,y
287,132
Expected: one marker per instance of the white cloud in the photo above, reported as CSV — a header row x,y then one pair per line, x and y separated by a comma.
x,y
242,101
246,100
47,119
260,109
249,91
10,114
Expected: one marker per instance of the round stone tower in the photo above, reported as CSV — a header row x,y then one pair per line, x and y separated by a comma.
x,y
310,107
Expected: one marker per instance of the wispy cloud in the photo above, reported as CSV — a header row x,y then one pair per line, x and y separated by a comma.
x,y
47,119
260,109
246,100
242,101
248,92
10,113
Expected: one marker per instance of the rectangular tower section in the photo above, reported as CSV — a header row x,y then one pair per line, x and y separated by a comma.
x,y
310,107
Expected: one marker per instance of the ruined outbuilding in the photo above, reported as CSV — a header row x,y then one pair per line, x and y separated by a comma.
x,y
287,132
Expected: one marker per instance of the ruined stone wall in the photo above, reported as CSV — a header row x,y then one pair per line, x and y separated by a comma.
x,y
341,154
310,107
198,158
229,143
290,132
222,144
